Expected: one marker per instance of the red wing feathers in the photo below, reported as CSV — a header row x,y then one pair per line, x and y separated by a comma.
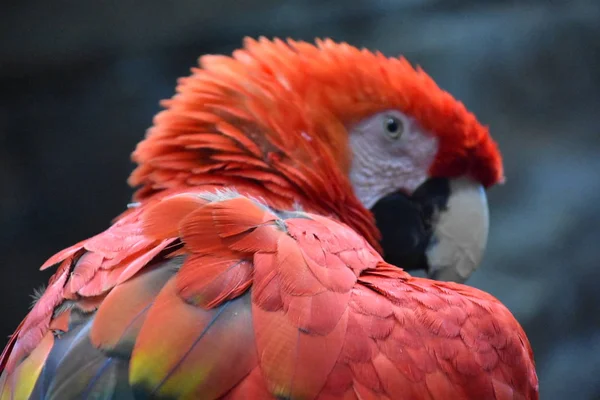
x,y
289,305
433,342
299,305
90,268
124,309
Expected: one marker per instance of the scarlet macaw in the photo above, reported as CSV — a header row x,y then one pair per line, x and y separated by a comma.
x,y
279,193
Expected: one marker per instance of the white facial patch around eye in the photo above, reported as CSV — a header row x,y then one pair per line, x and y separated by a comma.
x,y
382,165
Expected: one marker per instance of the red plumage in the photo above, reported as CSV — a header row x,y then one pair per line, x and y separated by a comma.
x,y
199,291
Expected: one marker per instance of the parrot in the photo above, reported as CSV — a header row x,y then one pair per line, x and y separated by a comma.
x,y
283,197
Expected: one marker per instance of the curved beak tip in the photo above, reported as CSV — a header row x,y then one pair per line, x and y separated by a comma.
x,y
441,228
460,234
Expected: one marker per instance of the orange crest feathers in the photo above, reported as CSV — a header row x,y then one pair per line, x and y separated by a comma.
x,y
277,112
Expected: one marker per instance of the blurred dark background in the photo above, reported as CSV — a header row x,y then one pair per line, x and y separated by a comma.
x,y
80,82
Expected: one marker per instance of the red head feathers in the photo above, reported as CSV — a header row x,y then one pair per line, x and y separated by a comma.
x,y
276,113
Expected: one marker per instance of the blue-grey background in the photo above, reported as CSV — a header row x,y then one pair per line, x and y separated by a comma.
x,y
80,82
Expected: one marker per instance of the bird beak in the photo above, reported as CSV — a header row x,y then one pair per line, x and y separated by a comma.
x,y
441,228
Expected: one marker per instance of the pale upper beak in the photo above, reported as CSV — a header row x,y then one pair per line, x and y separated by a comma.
x,y
441,228
460,233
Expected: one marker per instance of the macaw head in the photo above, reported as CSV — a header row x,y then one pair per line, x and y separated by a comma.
x,y
353,134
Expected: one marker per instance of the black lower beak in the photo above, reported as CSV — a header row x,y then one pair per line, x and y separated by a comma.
x,y
406,223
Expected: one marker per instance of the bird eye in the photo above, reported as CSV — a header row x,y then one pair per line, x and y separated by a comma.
x,y
393,127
